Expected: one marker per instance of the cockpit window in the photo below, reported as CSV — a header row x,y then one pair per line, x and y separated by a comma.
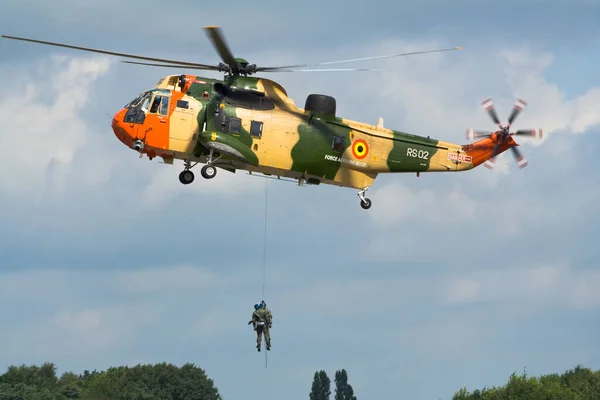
x,y
155,104
160,105
164,106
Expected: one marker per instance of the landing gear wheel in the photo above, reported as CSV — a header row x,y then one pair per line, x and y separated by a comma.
x,y
186,177
364,202
208,172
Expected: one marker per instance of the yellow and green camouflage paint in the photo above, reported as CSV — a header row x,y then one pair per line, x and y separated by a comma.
x,y
266,132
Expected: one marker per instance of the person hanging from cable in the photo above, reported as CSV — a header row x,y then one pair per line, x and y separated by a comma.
x,y
269,320
262,320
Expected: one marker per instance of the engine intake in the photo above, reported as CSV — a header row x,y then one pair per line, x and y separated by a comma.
x,y
321,106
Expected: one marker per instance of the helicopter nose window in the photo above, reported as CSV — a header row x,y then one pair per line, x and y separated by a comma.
x,y
137,109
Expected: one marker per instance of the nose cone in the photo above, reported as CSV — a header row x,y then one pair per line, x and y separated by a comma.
x,y
122,130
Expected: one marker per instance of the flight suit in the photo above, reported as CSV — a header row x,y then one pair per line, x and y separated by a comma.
x,y
262,315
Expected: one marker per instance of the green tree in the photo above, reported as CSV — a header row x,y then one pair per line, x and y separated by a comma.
x,y
343,390
32,375
321,387
69,386
576,384
142,382
150,382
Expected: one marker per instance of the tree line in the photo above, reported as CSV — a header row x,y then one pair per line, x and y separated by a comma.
x,y
144,382
575,384
189,382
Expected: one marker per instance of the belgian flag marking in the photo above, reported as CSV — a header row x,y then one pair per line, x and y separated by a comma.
x,y
360,149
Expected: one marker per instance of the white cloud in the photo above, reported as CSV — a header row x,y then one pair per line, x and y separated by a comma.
x,y
99,328
95,311
43,121
155,280
398,205
531,288
541,286
462,290
552,111
446,336
93,332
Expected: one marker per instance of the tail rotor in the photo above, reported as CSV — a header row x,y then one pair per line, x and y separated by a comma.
x,y
503,135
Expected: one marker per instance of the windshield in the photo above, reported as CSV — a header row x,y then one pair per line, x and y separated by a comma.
x,y
135,101
143,97
140,106
137,108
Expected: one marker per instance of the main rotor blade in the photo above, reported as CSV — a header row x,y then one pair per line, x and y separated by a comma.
x,y
328,70
111,53
180,66
217,38
266,69
488,105
518,107
280,70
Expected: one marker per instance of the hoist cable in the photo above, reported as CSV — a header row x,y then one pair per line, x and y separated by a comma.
x,y
265,243
265,263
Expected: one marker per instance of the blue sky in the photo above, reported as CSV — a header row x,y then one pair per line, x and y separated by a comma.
x,y
457,279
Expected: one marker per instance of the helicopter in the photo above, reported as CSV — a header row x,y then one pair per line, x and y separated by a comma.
x,y
250,124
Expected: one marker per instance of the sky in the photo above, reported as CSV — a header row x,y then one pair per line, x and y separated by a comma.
x,y
448,281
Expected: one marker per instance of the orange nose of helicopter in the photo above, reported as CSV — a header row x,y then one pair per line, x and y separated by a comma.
x,y
123,131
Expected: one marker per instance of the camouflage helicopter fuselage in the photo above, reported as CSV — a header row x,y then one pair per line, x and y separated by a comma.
x,y
251,124
248,123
